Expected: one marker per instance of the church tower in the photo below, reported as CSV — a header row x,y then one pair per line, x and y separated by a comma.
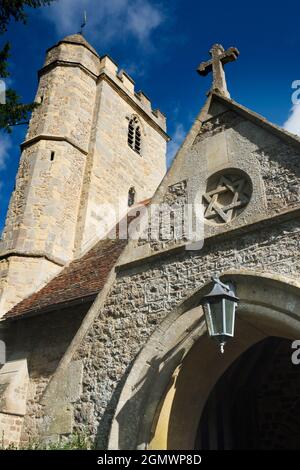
x,y
92,142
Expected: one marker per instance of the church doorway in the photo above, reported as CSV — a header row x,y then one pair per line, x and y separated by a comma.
x,y
181,393
256,403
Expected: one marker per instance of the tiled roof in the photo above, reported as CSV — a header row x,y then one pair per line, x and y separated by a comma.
x,y
81,280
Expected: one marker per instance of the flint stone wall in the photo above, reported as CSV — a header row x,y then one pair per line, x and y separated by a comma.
x,y
144,295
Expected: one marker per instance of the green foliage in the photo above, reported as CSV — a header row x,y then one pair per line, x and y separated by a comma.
x,y
4,55
76,441
15,9
14,112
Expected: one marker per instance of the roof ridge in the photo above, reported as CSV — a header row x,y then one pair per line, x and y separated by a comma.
x,y
274,128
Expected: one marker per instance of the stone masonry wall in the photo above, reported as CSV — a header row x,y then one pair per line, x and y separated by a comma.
x,y
272,165
74,53
142,297
13,395
250,147
66,96
230,142
21,276
114,167
10,430
166,224
41,220
280,169
42,215
42,341
75,159
43,211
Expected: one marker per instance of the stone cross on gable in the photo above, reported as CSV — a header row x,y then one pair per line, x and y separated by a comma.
x,y
219,57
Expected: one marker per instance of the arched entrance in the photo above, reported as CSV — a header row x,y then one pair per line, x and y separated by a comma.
x,y
170,384
256,403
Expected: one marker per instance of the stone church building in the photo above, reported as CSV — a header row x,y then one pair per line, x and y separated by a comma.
x,y
105,334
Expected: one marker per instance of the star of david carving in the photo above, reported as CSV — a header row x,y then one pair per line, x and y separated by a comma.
x,y
236,191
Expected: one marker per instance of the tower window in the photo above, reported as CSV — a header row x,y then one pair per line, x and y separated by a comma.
x,y
131,196
52,156
134,135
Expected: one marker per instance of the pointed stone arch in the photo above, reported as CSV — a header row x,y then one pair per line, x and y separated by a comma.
x,y
163,377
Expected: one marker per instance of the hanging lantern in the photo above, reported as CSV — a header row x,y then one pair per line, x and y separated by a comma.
x,y
219,308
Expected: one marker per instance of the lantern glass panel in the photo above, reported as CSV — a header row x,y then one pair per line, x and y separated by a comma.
x,y
229,307
217,317
208,318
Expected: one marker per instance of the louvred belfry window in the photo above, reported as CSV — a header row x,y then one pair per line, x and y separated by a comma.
x,y
134,135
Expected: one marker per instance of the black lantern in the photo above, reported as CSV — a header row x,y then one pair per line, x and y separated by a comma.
x,y
219,308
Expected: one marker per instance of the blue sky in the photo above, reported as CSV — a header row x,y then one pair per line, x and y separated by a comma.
x,y
160,44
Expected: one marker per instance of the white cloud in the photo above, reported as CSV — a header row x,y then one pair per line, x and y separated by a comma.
x,y
177,139
293,122
143,19
5,146
107,20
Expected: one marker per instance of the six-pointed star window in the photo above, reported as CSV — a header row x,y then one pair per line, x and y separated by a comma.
x,y
230,195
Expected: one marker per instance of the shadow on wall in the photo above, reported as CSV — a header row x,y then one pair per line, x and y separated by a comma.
x,y
128,418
